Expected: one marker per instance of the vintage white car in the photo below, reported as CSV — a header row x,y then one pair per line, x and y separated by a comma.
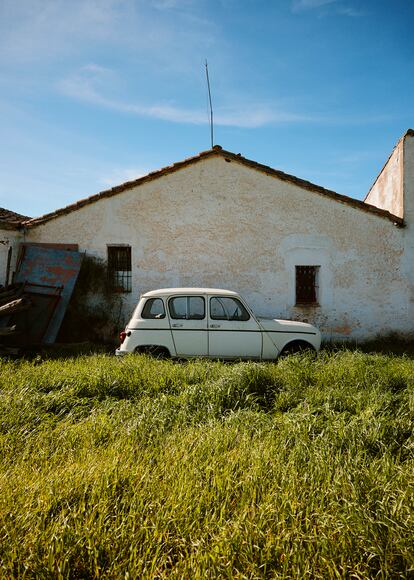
x,y
206,322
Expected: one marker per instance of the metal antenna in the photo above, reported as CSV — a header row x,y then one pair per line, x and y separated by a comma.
x,y
211,108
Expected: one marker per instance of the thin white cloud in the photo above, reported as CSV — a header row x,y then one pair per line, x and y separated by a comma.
x,y
33,30
92,83
337,6
169,33
302,5
350,11
122,174
170,4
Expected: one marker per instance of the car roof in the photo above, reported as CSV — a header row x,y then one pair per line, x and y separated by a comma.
x,y
191,291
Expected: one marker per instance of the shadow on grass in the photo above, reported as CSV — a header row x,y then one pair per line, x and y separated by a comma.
x,y
387,345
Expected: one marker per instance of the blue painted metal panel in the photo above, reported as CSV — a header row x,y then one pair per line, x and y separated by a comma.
x,y
50,267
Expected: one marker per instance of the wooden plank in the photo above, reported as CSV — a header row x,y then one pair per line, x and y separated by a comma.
x,y
5,292
14,306
6,330
13,296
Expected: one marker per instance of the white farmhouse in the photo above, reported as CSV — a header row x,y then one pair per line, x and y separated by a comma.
x,y
291,248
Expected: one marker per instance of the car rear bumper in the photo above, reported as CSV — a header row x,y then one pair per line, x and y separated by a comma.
x,y
120,352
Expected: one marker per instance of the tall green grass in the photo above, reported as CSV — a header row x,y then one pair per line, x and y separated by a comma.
x,y
137,468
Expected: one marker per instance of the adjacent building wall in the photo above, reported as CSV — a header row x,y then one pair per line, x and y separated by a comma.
x,y
387,190
393,190
218,223
408,185
9,238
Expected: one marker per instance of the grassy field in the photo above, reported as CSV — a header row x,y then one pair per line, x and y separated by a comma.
x,y
138,468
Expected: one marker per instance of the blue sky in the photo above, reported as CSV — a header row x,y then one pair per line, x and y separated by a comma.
x,y
97,92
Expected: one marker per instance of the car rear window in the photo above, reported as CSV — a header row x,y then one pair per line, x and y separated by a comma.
x,y
153,308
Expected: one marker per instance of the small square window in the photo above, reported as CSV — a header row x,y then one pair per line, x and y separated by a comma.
x,y
119,268
307,288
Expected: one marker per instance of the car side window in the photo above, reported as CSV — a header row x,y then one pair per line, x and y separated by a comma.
x,y
178,307
153,308
226,308
187,307
196,308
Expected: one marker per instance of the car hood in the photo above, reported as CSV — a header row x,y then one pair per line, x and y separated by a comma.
x,y
276,324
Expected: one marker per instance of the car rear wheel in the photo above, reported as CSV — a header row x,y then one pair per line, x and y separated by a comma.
x,y
159,352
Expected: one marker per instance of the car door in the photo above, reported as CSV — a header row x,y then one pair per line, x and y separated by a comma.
x,y
233,332
188,319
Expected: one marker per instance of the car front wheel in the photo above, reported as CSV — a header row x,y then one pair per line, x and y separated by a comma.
x,y
296,347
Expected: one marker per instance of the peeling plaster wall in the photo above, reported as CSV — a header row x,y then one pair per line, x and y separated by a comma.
x,y
408,263
387,191
221,224
8,239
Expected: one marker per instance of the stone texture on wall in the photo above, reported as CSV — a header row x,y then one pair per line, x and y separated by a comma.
x,y
219,223
408,232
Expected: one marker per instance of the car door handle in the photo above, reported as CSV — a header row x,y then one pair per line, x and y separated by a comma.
x,y
177,325
215,325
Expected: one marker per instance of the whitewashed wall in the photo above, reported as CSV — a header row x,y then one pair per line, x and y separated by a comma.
x,y
221,224
408,186
387,191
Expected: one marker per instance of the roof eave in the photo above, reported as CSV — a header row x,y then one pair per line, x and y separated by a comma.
x,y
10,226
338,197
215,151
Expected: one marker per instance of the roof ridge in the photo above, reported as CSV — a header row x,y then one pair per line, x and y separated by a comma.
x,y
121,187
316,188
217,150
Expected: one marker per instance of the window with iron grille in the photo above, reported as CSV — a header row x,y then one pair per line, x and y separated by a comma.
x,y
119,268
307,284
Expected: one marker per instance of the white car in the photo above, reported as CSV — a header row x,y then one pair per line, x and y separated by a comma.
x,y
206,322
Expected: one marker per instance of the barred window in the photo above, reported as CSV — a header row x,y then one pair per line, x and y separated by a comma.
x,y
119,268
307,284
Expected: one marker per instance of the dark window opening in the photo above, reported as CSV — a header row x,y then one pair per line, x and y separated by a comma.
x,y
307,284
119,268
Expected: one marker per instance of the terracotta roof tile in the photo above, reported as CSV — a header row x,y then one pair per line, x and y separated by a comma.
x,y
10,219
216,151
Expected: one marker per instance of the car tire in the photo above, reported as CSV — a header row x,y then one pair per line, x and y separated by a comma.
x,y
158,352
297,347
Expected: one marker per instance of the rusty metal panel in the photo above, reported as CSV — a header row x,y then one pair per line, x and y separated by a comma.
x,y
42,267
